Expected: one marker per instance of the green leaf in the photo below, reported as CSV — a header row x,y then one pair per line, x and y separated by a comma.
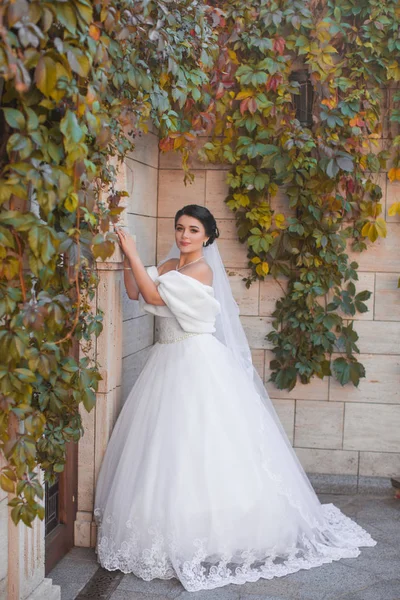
x,y
14,118
69,126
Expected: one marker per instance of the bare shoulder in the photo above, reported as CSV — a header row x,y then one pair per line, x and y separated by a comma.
x,y
168,265
200,271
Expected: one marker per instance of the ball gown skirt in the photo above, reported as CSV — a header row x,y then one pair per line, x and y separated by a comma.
x,y
198,483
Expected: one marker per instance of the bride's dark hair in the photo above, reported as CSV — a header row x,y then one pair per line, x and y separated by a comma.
x,y
202,214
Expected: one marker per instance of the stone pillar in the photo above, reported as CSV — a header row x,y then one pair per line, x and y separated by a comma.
x,y
138,175
98,424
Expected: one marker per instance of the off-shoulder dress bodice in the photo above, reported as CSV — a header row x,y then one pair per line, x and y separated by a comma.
x,y
190,306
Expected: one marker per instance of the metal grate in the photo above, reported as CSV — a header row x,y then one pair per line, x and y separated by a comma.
x,y
52,493
303,102
101,586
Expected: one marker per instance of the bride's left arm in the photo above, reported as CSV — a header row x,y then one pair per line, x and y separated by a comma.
x,y
146,285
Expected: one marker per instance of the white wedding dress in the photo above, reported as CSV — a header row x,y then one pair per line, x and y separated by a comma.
x,y
198,482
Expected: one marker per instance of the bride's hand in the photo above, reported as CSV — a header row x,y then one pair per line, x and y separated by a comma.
x,y
126,242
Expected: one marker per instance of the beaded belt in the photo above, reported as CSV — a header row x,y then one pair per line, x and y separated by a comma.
x,y
177,337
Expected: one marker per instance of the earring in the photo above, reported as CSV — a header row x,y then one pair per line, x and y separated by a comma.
x,y
205,244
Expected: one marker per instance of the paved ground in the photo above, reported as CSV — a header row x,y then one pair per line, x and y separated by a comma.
x,y
374,575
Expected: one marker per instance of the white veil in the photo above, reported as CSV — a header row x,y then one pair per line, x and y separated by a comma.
x,y
230,332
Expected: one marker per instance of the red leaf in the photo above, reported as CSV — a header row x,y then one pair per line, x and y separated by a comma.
x,y
252,105
166,144
244,105
273,82
220,91
279,45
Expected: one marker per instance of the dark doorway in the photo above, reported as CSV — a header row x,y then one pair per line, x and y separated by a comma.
x,y
61,502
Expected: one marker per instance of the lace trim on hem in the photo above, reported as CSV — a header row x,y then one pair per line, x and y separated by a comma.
x,y
340,537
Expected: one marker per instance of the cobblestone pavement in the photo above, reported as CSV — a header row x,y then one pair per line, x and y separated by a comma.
x,y
374,575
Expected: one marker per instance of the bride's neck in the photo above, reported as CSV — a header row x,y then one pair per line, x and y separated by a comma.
x,y
185,259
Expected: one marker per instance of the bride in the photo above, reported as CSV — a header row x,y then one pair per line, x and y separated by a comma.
x,y
199,481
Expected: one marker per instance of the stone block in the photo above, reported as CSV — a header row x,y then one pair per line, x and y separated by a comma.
x,y
319,424
86,450
378,337
372,427
247,299
256,328
380,385
165,237
145,230
138,334
233,253
335,462
142,186
46,591
387,297
82,529
130,308
132,366
317,389
380,464
109,342
285,410
258,359
3,538
173,194
392,195
382,255
325,483
271,290
146,150
227,229
216,192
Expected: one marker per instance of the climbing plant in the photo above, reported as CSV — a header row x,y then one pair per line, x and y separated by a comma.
x,y
79,82
326,169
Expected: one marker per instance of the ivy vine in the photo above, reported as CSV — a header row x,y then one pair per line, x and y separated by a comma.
x,y
327,169
79,81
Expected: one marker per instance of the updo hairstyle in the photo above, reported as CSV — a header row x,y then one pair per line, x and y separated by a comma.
x,y
202,214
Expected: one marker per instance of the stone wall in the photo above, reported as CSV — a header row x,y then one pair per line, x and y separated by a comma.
x,y
142,186
335,430
128,333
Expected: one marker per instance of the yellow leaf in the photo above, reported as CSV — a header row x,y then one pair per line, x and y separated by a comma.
x,y
46,75
179,142
6,484
256,260
233,56
273,189
163,78
280,221
365,229
380,225
244,94
392,174
394,209
71,202
94,32
265,268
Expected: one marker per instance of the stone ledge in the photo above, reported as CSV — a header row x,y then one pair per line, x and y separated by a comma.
x,y
46,591
324,483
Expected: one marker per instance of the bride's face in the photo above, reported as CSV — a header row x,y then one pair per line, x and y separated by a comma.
x,y
189,234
